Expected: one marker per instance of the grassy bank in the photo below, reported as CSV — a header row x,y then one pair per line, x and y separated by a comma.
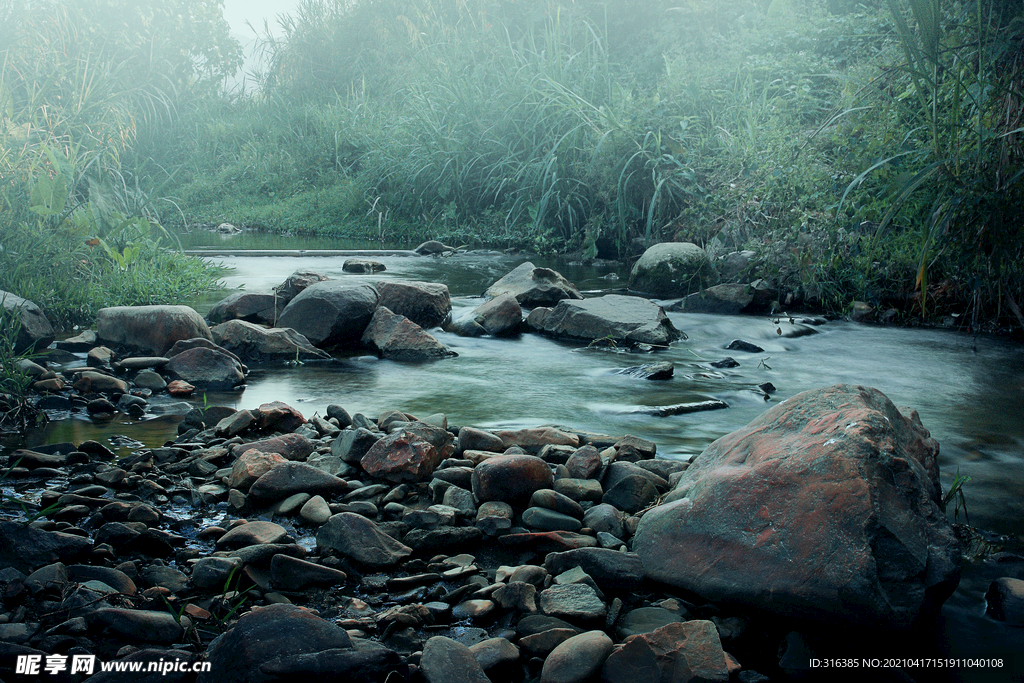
x,y
80,221
864,152
868,153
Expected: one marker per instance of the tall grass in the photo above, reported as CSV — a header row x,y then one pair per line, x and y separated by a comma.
x,y
862,152
77,228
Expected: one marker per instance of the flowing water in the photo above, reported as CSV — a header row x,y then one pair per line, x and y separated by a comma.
x,y
968,391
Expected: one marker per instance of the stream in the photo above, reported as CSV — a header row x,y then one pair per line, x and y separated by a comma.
x,y
969,391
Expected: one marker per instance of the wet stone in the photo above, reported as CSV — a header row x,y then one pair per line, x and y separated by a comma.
x,y
445,660
253,533
577,658
575,602
644,620
549,520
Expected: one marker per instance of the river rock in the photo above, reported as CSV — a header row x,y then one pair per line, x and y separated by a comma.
x,y
472,439
574,602
827,507
580,490
352,444
433,248
395,337
284,418
293,574
618,318
553,500
533,439
606,518
494,517
510,478
727,299
549,520
494,652
359,265
250,466
331,313
532,286
266,636
1005,600
254,307
689,652
148,379
672,269
149,626
448,661
401,457
427,304
91,381
294,447
644,620
585,463
26,548
214,572
252,533
206,368
612,570
295,284
315,511
502,316
362,540
577,658
366,662
288,478
35,332
631,494
651,371
150,329
114,578
255,344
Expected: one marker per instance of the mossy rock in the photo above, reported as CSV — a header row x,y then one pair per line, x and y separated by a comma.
x,y
672,269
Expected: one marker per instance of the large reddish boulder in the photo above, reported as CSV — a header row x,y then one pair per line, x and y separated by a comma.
x,y
294,447
425,303
827,507
250,466
400,457
150,329
510,478
679,652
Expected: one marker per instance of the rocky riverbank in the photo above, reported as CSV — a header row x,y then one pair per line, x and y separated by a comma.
x,y
267,544
271,546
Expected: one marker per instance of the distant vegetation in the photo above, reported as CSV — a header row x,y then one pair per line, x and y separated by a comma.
x,y
864,151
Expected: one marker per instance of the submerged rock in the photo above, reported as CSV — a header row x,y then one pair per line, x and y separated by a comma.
x,y
613,317
824,507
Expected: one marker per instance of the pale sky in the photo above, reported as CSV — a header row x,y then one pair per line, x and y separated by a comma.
x,y
237,12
